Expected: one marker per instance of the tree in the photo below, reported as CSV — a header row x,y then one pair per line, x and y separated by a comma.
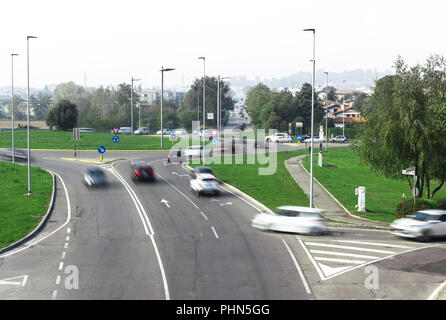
x,y
63,115
331,93
406,120
304,105
19,108
40,104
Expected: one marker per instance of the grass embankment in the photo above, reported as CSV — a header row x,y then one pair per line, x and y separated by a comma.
x,y
341,174
273,190
20,213
53,139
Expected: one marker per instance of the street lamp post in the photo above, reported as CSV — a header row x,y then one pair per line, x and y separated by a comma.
x,y
326,116
12,107
204,109
162,96
312,117
27,106
131,104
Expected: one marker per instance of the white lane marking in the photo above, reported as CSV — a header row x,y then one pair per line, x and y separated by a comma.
x,y
147,226
204,216
58,279
68,230
434,294
299,270
374,244
339,260
344,254
20,283
65,245
215,232
166,202
67,238
179,192
54,295
61,265
63,255
50,234
347,247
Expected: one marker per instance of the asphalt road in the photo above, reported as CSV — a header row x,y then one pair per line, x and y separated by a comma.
x,y
159,241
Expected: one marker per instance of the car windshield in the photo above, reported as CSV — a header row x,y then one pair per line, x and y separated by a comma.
x,y
421,216
287,213
204,170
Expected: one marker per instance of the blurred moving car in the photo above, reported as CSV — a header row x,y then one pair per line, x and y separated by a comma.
x,y
316,139
202,169
194,151
142,130
341,139
19,154
142,171
205,183
291,219
278,137
181,131
165,131
423,225
87,130
95,177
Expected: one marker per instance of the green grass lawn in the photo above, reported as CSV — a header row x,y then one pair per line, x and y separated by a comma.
x,y
53,139
20,213
272,190
382,194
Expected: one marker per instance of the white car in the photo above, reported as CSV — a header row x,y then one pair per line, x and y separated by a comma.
x,y
291,219
205,183
194,151
181,131
278,137
341,139
423,225
315,140
165,131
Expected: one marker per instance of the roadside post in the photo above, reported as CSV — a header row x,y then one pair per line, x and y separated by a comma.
x,y
101,151
320,159
115,141
76,139
415,191
360,192
173,137
299,138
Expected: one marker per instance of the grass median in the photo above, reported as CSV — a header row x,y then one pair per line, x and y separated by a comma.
x,y
341,174
55,139
273,190
20,213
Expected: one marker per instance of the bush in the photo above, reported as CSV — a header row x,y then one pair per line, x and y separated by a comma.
x,y
421,204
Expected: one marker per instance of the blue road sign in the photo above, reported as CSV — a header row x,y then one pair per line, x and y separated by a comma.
x,y
214,141
299,137
115,139
101,149
170,123
173,137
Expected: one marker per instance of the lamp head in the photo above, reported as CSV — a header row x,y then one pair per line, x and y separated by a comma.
x,y
30,37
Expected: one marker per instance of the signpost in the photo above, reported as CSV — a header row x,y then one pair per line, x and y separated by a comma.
x,y
76,138
101,151
299,138
116,130
173,138
210,116
415,190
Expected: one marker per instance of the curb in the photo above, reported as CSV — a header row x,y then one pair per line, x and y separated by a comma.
x,y
39,227
345,209
92,161
439,293
260,206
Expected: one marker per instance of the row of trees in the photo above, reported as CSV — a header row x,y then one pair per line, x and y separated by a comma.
x,y
272,109
39,103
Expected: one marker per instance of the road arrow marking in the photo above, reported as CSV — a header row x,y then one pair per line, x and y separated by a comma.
x,y
180,175
165,202
215,200
226,204
11,282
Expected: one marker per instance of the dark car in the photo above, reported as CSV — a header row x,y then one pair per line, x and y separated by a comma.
x,y
19,154
142,171
95,177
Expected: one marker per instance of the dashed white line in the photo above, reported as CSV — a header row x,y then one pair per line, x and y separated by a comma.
x,y
65,245
215,232
299,270
63,255
58,279
67,238
204,216
54,295
61,265
68,230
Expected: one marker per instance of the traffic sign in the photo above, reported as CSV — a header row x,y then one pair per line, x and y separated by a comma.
x,y
115,139
210,116
101,149
170,123
409,171
214,141
299,137
173,137
116,130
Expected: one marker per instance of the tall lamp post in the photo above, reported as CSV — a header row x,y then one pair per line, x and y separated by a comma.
x,y
326,116
312,117
219,104
131,104
27,106
204,109
162,96
12,102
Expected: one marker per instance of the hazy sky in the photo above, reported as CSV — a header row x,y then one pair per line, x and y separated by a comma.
x,y
111,41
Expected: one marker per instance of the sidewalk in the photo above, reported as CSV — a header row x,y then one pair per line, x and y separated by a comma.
x,y
323,200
